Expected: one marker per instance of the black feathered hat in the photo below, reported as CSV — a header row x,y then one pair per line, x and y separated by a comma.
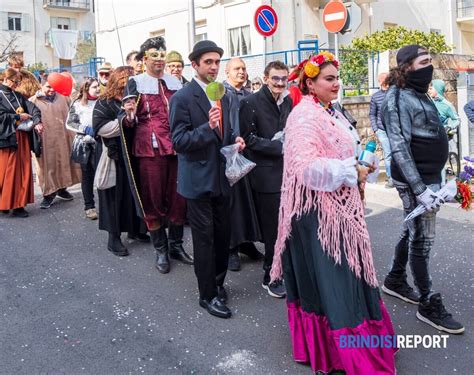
x,y
157,42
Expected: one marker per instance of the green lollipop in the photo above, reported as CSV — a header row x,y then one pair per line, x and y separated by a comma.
x,y
215,91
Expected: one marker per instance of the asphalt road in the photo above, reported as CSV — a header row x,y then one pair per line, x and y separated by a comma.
x,y
68,306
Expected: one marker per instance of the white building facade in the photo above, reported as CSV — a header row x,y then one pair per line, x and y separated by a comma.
x,y
230,23
33,21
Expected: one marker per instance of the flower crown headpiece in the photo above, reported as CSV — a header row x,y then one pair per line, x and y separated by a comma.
x,y
312,66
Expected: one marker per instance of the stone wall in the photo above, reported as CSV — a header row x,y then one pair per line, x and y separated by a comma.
x,y
447,67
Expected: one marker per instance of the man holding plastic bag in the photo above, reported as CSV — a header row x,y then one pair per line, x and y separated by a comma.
x,y
200,127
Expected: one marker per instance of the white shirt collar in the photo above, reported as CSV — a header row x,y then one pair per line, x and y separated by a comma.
x,y
146,84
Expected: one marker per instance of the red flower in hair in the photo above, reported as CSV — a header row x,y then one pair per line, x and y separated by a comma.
x,y
320,59
336,64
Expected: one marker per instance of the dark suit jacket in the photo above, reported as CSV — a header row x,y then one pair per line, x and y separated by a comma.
x,y
201,166
260,118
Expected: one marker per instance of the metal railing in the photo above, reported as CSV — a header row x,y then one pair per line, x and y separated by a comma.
x,y
68,4
465,8
356,67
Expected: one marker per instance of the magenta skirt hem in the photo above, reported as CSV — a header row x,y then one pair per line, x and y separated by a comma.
x,y
314,342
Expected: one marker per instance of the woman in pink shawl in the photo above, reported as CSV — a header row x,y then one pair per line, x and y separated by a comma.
x,y
323,248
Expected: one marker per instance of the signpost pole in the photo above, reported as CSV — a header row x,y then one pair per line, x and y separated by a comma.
x,y
336,55
264,51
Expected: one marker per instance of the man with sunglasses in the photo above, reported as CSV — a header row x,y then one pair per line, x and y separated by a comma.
x,y
154,165
175,66
104,73
262,115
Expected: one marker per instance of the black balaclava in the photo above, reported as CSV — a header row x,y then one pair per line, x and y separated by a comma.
x,y
420,79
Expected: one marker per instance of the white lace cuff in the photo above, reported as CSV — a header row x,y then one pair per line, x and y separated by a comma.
x,y
330,174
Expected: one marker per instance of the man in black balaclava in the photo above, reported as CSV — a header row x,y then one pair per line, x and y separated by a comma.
x,y
419,152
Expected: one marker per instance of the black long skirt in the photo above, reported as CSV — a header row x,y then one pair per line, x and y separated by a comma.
x,y
117,210
243,220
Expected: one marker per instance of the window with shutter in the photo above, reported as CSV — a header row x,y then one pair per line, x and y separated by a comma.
x,y
239,41
14,21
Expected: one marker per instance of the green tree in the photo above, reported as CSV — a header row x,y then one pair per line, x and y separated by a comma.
x,y
354,57
86,49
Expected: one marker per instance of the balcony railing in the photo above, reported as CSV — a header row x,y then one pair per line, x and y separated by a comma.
x,y
76,5
84,36
465,8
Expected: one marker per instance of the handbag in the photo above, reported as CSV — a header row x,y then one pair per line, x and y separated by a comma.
x,y
80,150
106,173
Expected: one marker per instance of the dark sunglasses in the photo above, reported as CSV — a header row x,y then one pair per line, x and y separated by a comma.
x,y
103,74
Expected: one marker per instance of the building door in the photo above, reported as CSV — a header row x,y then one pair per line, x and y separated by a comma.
x,y
64,63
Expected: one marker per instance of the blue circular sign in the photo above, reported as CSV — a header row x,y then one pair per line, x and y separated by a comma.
x,y
266,20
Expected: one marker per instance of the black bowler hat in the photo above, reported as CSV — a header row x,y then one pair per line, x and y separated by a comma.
x,y
204,46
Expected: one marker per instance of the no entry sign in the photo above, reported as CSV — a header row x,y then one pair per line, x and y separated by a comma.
x,y
265,20
334,16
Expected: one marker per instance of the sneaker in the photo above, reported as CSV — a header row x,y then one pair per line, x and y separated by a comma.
x,y
276,289
5,212
91,213
64,195
389,184
47,201
401,290
234,262
20,212
434,313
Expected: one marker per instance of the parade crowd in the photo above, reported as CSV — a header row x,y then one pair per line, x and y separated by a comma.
x,y
149,142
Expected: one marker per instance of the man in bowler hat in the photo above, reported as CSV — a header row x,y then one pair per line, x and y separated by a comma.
x,y
200,127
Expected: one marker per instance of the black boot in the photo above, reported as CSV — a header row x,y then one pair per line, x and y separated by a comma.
x,y
115,245
176,244
160,243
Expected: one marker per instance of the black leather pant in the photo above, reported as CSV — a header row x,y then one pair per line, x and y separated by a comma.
x,y
210,228
416,241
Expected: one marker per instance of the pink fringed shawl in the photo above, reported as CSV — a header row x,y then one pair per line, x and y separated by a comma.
x,y
312,135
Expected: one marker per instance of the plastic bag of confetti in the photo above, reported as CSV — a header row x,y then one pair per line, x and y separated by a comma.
x,y
236,166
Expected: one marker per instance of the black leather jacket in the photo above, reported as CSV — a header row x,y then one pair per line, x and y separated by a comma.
x,y
418,141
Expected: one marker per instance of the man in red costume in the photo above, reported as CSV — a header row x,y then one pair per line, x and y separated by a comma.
x,y
153,164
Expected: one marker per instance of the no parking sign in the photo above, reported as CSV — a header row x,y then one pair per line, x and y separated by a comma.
x,y
265,20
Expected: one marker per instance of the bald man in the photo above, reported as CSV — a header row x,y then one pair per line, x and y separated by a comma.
x,y
244,222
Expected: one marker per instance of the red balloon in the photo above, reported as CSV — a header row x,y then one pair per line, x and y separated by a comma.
x,y
61,82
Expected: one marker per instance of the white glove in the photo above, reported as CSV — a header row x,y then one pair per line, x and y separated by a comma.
x,y
88,139
350,171
430,199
